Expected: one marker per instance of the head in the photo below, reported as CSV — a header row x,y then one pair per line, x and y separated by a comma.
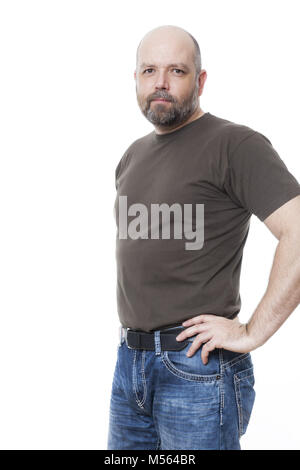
x,y
168,67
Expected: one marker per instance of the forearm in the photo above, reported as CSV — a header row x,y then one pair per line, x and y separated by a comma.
x,y
282,295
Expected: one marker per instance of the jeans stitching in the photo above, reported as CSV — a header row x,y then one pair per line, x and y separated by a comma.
x,y
221,386
189,376
246,377
236,360
237,380
134,381
238,402
144,378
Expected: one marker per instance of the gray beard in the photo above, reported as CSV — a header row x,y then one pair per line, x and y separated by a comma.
x,y
178,114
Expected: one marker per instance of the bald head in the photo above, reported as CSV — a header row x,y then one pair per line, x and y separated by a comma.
x,y
165,37
169,78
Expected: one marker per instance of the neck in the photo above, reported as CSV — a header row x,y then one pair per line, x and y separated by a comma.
x,y
197,114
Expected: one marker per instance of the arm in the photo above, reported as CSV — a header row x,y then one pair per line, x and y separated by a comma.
x,y
282,295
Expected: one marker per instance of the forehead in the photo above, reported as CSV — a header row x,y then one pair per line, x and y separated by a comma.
x,y
166,50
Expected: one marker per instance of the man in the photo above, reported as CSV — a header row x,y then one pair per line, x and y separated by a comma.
x,y
184,375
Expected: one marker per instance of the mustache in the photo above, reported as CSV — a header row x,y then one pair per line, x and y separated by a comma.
x,y
163,96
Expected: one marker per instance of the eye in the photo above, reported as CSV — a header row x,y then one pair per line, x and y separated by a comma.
x,y
178,70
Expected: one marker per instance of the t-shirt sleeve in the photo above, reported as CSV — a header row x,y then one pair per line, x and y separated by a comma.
x,y
119,167
117,171
257,178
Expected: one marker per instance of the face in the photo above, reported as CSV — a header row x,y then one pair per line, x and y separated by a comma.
x,y
166,86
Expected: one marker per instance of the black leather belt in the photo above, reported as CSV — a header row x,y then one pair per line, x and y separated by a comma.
x,y
145,340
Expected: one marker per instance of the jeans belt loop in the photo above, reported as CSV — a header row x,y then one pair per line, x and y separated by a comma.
x,y
157,342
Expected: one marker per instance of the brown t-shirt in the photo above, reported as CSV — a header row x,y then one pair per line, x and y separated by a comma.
x,y
227,169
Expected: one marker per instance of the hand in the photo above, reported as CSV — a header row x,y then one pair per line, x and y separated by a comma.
x,y
215,332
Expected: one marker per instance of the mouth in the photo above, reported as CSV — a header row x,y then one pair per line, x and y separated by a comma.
x,y
161,99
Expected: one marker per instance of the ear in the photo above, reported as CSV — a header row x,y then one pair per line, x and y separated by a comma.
x,y
202,79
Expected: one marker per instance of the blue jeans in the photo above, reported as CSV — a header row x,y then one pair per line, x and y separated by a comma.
x,y
166,400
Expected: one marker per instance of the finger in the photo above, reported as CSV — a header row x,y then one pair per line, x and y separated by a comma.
x,y
187,333
195,320
192,331
207,348
196,344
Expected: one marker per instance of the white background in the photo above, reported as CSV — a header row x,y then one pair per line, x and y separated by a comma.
x,y
68,112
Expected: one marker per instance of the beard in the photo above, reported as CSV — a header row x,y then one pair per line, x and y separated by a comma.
x,y
168,115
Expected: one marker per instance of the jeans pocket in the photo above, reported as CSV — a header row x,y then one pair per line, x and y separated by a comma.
x,y
192,368
245,395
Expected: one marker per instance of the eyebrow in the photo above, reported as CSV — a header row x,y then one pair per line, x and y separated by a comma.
x,y
178,64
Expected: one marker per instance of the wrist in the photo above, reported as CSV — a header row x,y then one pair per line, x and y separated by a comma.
x,y
251,340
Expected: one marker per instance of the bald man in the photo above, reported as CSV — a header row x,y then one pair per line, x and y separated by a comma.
x,y
186,191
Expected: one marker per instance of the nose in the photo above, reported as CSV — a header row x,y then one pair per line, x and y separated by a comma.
x,y
161,81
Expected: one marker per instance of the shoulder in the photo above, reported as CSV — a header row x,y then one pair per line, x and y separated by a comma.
x,y
135,146
232,134
243,143
138,143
